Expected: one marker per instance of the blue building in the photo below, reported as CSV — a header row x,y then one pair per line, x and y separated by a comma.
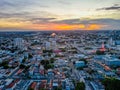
x,y
112,62
79,64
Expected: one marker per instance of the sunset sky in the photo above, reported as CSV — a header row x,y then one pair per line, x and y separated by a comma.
x,y
59,15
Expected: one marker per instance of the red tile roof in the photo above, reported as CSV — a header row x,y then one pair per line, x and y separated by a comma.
x,y
33,85
13,83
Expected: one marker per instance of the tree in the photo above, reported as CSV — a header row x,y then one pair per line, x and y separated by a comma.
x,y
22,66
47,51
58,88
80,86
52,60
83,59
48,66
98,52
111,83
30,56
74,62
42,62
30,89
80,68
23,61
47,62
4,64
42,89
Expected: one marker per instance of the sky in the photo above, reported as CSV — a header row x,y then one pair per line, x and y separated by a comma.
x,y
59,15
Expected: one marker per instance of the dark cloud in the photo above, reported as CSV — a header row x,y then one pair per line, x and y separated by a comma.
x,y
12,4
109,23
105,21
14,15
20,4
87,21
68,21
41,20
7,15
27,15
114,7
5,3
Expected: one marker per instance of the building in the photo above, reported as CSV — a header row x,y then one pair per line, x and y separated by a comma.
x,y
102,49
53,45
19,42
111,42
33,85
112,61
47,45
79,64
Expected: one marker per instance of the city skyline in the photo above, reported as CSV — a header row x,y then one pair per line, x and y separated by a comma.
x,y
59,15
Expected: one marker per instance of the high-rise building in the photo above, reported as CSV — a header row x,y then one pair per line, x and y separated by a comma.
x,y
53,45
111,42
47,45
102,48
19,42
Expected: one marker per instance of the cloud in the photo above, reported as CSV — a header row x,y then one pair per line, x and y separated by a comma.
x,y
35,15
68,21
64,2
114,7
87,21
18,5
109,23
13,15
45,20
92,24
41,20
106,23
5,3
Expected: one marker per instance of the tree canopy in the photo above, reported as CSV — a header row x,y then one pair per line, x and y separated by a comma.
x,y
111,84
80,86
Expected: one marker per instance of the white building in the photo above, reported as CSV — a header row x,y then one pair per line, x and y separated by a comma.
x,y
19,42
53,44
111,42
47,45
50,45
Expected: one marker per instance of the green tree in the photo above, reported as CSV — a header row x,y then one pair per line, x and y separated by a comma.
x,y
111,84
30,89
80,86
48,66
22,66
4,64
98,52
30,56
52,60
58,88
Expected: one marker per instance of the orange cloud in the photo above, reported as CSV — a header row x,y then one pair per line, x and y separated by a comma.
x,y
11,25
68,27
93,27
53,26
48,26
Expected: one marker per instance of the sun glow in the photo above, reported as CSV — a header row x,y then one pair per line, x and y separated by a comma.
x,y
48,26
94,27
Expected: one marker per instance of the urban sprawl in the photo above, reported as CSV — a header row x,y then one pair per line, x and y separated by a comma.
x,y
60,60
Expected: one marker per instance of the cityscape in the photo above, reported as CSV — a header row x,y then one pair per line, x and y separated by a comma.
x,y
59,44
64,60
